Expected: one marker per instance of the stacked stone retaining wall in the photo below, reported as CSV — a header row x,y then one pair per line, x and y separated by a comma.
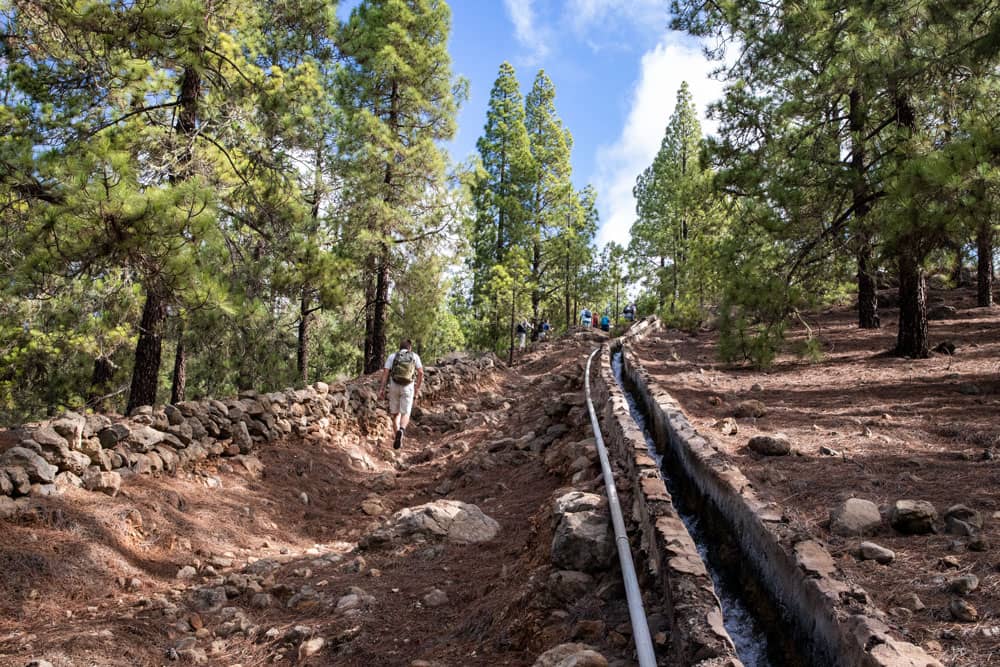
x,y
98,451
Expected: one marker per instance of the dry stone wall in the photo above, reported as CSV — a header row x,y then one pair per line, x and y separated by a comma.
x,y
98,452
836,618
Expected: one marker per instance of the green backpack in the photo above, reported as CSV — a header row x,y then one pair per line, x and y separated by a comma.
x,y
404,367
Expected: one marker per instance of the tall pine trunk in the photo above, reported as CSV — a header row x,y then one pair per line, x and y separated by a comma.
x,y
912,340
569,310
513,305
380,312
148,350
302,350
305,301
868,317
178,384
369,364
146,369
536,268
984,264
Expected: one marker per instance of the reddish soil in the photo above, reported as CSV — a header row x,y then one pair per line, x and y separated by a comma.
x,y
91,580
920,429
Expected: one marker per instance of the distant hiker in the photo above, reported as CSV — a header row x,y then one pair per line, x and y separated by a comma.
x,y
586,317
605,323
545,329
522,333
400,371
629,312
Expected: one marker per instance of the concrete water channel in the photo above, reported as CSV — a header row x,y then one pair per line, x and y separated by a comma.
x,y
777,596
744,619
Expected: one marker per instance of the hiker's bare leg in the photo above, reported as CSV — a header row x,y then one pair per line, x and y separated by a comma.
x,y
402,422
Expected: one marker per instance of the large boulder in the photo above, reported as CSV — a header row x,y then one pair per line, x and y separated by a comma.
x,y
582,541
449,520
37,468
854,517
913,517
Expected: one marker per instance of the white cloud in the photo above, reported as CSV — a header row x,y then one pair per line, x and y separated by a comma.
x,y
529,32
653,99
604,20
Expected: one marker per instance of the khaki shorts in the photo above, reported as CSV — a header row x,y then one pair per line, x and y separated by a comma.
x,y
400,398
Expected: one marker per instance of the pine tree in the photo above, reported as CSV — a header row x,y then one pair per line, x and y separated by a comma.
x,y
550,190
398,101
499,194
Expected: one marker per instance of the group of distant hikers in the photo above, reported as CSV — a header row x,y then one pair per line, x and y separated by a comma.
x,y
403,372
589,319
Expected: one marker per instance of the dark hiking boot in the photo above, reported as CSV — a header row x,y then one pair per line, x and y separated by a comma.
x,y
398,441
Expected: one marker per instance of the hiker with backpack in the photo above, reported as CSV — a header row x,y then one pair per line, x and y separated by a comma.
x,y
404,373
605,322
586,318
546,327
522,334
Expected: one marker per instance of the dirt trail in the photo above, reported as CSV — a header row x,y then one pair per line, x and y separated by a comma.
x,y
90,580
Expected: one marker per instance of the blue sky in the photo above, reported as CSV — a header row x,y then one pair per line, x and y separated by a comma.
x,y
616,68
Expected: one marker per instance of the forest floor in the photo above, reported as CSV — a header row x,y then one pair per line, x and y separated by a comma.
x,y
925,429
92,580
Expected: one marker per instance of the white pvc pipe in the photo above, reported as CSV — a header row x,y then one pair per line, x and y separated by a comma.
x,y
637,615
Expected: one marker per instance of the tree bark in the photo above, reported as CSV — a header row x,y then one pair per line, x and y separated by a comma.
x,y
380,312
984,264
958,265
536,267
146,370
305,317
912,340
513,305
868,316
178,384
569,310
368,351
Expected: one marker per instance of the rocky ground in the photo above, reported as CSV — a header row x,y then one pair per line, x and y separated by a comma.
x,y
894,463
483,541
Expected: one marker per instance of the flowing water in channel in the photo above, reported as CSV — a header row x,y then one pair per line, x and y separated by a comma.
x,y
745,630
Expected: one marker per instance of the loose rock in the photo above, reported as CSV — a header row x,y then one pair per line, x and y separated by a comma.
x,y
963,611
752,408
964,584
879,554
855,516
770,445
913,517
